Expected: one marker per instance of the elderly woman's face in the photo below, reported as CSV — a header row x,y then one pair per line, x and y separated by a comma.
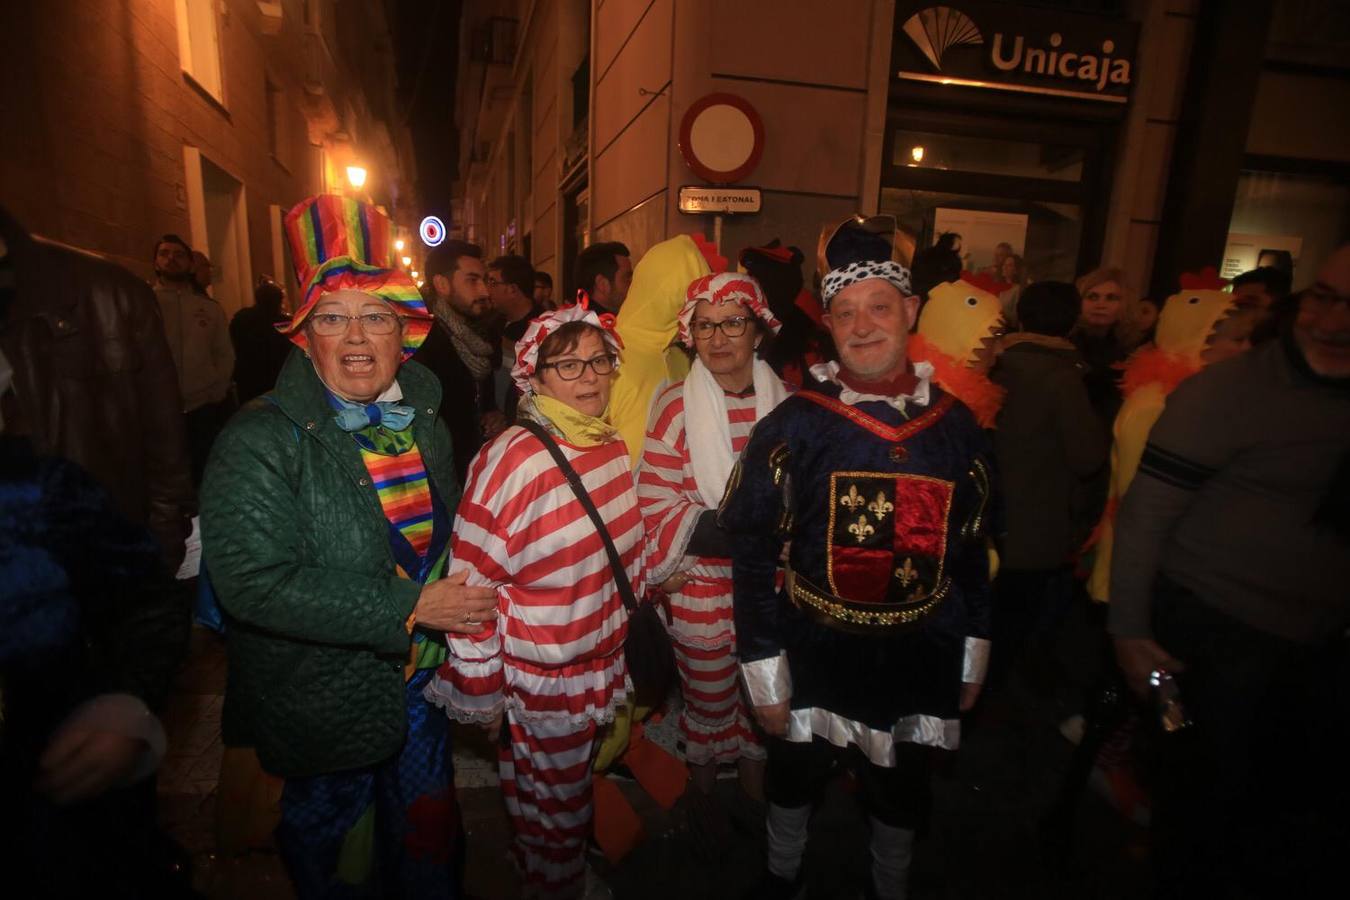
x,y
724,337
587,393
356,357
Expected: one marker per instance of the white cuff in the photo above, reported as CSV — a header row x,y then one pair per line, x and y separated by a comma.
x,y
768,680
976,661
127,715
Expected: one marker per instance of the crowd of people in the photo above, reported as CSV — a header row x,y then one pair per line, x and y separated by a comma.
x,y
820,526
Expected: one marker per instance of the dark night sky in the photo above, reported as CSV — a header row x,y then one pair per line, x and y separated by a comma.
x,y
427,43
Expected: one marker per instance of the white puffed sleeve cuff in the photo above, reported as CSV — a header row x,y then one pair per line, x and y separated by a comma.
x,y
768,680
976,663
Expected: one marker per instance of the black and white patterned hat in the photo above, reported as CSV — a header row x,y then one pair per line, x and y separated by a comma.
x,y
858,251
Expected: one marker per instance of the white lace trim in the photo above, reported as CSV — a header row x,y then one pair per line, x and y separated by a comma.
x,y
442,693
829,371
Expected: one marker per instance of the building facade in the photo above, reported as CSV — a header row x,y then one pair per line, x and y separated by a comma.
x,y
208,118
1139,133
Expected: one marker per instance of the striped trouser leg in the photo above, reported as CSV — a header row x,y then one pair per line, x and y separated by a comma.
x,y
546,783
714,723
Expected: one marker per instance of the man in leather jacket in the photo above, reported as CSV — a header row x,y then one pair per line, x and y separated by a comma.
x,y
88,389
94,381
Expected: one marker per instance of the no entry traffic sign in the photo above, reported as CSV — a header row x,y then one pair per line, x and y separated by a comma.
x,y
722,138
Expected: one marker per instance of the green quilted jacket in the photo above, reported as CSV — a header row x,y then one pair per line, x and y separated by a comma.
x,y
298,550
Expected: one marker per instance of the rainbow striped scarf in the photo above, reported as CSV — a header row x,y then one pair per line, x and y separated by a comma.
x,y
405,495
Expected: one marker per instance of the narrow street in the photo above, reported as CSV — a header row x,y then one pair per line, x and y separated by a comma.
x,y
984,840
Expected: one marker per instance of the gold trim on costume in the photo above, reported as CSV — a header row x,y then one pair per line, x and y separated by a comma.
x,y
847,616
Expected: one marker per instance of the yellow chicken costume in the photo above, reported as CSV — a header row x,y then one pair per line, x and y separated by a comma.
x,y
1188,320
647,323
959,318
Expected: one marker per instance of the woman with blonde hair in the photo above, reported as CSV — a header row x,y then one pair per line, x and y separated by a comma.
x,y
1106,333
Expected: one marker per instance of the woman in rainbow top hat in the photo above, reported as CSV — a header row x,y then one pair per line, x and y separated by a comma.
x,y
326,513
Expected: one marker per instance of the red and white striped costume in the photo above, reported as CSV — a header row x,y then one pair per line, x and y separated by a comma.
x,y
714,722
553,661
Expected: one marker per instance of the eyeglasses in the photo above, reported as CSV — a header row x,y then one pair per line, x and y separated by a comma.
x,y
571,369
1321,298
733,328
333,324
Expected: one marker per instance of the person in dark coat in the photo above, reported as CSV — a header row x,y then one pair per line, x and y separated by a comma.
x,y
326,518
92,627
259,349
459,350
1049,445
86,341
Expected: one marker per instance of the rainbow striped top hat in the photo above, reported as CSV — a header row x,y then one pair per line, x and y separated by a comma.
x,y
337,244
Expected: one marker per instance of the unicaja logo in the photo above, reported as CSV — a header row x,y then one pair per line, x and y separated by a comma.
x,y
1096,70
937,29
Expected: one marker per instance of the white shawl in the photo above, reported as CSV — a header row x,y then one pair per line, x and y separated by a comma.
x,y
707,430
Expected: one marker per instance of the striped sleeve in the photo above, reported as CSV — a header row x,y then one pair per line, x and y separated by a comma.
x,y
470,681
666,492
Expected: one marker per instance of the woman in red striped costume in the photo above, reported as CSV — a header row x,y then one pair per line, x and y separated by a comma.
x,y
552,665
695,432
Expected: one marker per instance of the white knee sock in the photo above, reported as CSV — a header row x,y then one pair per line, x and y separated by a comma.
x,y
892,851
786,829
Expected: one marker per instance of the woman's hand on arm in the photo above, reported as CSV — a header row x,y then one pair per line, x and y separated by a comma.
x,y
451,605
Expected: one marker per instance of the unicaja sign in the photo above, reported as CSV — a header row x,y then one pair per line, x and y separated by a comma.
x,y
1096,70
1001,46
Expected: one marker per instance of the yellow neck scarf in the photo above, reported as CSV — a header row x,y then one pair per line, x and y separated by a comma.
x,y
573,426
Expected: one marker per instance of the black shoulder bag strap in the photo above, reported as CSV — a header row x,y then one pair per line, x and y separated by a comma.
x,y
574,480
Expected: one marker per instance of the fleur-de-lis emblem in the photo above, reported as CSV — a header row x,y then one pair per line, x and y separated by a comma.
x,y
907,573
860,529
881,506
853,500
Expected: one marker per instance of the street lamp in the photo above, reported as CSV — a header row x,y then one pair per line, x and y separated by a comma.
x,y
407,261
356,176
414,273
398,245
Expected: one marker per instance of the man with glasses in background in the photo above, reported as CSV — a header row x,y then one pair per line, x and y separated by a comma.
x,y
1229,580
458,350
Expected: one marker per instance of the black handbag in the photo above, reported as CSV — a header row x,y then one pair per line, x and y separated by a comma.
x,y
648,650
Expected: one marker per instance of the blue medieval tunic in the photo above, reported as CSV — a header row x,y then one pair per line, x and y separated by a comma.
x,y
885,609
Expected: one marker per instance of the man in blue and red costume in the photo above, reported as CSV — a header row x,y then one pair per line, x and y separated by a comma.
x,y
877,481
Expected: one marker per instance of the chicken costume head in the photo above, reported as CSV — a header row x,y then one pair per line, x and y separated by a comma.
x,y
957,330
1188,320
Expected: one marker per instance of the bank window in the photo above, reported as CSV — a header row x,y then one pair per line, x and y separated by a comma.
x,y
998,181
1287,218
199,44
1043,235
990,156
